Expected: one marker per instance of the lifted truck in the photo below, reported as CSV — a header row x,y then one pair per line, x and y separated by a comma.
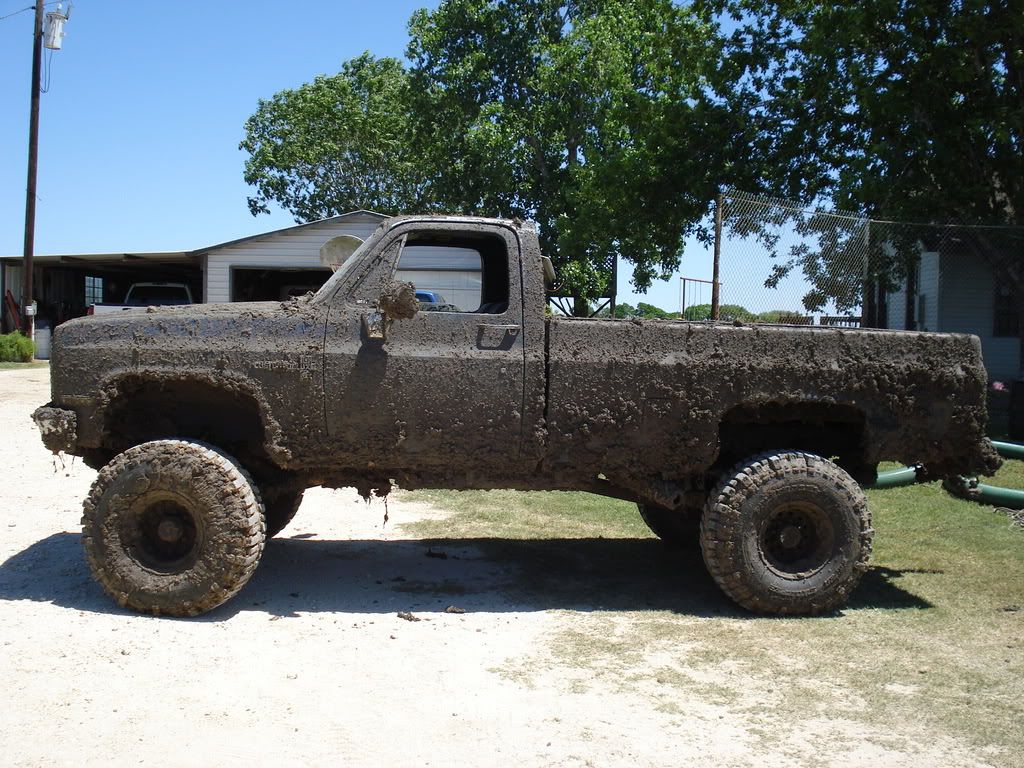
x,y
207,422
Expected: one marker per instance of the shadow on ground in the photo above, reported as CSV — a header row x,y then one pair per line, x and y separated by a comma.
x,y
495,575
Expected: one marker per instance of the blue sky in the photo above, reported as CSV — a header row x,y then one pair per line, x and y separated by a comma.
x,y
140,128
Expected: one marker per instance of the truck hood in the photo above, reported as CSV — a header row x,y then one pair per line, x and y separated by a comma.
x,y
185,321
88,351
177,313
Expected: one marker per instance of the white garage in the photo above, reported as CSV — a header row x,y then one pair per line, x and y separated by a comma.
x,y
267,267
277,264
286,262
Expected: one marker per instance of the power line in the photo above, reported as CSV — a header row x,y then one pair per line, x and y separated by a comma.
x,y
15,13
29,8
47,70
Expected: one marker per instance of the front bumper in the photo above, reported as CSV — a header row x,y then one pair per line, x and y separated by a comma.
x,y
58,427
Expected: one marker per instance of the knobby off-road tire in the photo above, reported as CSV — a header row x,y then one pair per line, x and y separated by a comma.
x,y
787,532
675,527
280,503
173,527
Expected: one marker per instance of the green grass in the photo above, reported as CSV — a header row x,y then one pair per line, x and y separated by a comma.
x,y
1011,475
929,651
522,515
23,366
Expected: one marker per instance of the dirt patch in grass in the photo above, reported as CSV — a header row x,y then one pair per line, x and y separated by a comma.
x,y
925,666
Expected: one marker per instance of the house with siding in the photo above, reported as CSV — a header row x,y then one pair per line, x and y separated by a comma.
x,y
954,291
268,266
265,267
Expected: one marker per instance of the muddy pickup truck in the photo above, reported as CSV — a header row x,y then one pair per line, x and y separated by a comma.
x,y
207,422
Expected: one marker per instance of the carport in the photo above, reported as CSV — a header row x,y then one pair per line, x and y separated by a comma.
x,y
65,285
271,266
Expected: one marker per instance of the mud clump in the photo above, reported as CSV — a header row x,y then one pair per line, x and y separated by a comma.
x,y
398,302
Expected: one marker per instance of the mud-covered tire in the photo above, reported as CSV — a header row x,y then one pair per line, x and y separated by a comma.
x,y
787,532
675,527
173,527
280,503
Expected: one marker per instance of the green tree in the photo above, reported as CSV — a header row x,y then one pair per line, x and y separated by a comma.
x,y
774,316
337,144
643,309
728,312
592,118
909,110
624,310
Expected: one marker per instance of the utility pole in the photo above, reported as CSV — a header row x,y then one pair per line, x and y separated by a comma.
x,y
27,306
54,35
716,264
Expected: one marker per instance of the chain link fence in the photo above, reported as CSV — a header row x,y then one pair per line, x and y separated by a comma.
x,y
780,262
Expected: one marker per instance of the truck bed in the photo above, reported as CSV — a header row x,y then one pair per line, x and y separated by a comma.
x,y
630,396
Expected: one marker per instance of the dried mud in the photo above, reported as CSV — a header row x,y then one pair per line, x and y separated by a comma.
x,y
399,301
510,399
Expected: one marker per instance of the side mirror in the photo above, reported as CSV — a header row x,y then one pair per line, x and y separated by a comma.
x,y
398,302
549,272
375,327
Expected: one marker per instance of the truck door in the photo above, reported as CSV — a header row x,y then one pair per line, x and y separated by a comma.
x,y
444,391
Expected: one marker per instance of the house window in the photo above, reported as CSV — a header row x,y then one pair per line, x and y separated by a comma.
x,y
1006,320
93,290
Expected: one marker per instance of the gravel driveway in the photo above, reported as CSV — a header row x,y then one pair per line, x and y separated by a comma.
x,y
311,664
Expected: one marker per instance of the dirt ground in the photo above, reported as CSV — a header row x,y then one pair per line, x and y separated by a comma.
x,y
311,664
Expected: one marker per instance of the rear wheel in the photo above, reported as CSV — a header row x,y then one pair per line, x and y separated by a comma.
x,y
676,527
173,527
787,533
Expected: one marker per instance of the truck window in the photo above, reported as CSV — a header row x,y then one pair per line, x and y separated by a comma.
x,y
456,274
142,294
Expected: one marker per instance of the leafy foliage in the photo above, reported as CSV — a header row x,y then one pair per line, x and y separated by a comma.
x,y
643,309
910,110
726,312
613,124
580,115
15,348
337,144
584,116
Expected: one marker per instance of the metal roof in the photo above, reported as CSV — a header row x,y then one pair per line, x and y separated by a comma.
x,y
179,256
108,258
339,217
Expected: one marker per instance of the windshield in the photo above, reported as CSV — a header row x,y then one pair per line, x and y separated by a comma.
x,y
158,294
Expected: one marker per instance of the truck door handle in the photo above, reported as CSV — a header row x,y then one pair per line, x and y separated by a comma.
x,y
496,337
508,328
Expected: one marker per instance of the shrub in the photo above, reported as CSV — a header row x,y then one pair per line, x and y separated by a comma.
x,y
727,312
15,348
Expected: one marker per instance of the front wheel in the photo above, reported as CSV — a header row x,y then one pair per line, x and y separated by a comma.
x,y
281,502
787,532
173,527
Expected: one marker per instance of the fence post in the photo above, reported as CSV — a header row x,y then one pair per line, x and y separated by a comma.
x,y
718,258
868,309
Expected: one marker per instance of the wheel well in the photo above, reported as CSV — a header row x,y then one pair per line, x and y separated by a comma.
x,y
835,431
144,409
